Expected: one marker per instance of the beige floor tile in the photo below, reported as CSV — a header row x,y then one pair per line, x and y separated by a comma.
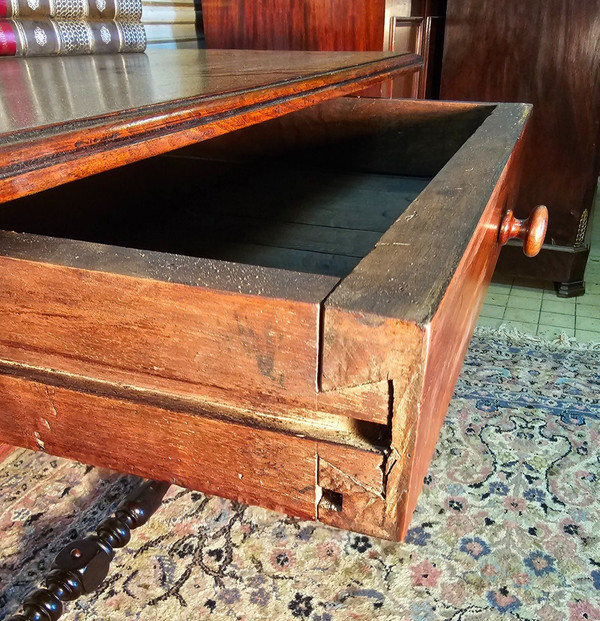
x,y
553,332
499,299
522,326
588,323
532,304
587,310
492,311
521,315
554,320
489,322
587,336
562,307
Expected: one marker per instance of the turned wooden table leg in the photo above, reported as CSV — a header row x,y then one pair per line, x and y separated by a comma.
x,y
82,566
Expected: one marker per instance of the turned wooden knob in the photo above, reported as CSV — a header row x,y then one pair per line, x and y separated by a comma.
x,y
531,231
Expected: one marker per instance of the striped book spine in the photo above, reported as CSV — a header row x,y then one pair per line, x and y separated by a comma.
x,y
53,37
123,10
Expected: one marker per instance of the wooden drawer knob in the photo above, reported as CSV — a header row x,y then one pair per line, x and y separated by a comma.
x,y
531,231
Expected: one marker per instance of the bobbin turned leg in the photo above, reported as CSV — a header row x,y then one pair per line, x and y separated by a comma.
x,y
82,566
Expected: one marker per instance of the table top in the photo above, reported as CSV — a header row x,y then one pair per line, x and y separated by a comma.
x,y
68,117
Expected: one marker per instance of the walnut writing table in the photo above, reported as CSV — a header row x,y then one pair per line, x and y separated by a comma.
x,y
277,314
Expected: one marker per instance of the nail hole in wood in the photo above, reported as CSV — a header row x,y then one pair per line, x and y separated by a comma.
x,y
332,501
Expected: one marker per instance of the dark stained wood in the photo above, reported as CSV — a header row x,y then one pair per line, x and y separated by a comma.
x,y
510,50
294,24
560,263
404,137
124,108
329,220
335,25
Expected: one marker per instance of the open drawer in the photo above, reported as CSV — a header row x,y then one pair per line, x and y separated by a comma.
x,y
277,315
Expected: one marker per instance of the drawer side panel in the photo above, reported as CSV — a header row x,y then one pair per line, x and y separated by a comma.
x,y
449,333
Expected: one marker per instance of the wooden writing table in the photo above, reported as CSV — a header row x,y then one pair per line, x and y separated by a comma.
x,y
286,326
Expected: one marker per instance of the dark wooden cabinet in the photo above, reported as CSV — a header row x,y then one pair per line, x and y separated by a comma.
x,y
330,25
546,53
294,24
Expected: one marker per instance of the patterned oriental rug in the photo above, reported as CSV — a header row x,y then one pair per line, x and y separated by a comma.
x,y
507,527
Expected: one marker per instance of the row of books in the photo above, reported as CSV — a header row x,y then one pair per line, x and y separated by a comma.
x,y
173,23
65,27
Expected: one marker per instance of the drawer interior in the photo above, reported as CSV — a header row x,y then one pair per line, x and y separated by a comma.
x,y
310,192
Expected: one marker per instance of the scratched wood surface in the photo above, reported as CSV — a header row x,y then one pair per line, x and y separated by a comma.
x,y
449,332
405,277
252,465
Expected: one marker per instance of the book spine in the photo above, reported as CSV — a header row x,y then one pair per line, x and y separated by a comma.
x,y
161,33
48,37
168,14
123,10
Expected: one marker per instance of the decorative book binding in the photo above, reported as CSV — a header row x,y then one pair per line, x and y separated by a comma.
x,y
49,37
124,10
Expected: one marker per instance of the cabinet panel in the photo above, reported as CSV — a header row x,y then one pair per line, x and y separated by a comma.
x,y
546,55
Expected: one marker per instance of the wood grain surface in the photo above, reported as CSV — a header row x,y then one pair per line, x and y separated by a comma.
x,y
172,323
357,135
294,24
300,392
450,331
407,311
123,108
279,471
235,461
401,283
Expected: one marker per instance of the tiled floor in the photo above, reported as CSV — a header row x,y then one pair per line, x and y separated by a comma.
x,y
534,308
